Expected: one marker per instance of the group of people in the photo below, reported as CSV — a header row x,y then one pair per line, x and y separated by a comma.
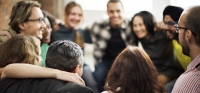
x,y
132,56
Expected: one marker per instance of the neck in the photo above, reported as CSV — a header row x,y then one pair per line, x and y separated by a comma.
x,y
115,26
67,26
194,51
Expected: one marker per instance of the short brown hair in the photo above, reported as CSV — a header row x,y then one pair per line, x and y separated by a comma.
x,y
20,49
133,72
21,11
114,1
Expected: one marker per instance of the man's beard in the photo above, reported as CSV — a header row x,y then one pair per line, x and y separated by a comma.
x,y
185,48
175,35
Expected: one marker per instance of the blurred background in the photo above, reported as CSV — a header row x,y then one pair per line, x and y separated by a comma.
x,y
96,10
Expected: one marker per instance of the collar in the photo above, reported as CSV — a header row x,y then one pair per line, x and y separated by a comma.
x,y
124,25
194,63
11,31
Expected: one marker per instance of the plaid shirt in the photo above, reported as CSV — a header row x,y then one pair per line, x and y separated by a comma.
x,y
189,81
99,35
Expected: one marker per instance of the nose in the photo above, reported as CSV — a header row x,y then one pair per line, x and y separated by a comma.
x,y
77,17
136,28
115,14
166,27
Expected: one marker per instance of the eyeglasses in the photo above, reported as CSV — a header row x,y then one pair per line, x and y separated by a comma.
x,y
40,20
178,28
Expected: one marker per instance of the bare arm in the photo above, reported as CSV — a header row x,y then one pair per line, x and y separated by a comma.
x,y
33,71
160,26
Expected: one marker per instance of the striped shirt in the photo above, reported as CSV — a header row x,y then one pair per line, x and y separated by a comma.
x,y
189,81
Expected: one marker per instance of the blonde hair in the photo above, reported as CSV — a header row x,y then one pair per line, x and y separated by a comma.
x,y
20,49
21,11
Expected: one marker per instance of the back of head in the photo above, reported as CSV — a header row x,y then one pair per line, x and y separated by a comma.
x,y
21,11
133,72
148,19
192,22
173,11
20,49
64,55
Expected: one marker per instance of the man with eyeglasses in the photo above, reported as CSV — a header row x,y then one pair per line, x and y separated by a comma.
x,y
171,15
26,19
188,28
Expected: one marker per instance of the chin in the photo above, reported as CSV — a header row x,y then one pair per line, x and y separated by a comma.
x,y
39,37
46,41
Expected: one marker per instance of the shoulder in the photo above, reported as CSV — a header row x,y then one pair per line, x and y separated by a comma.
x,y
64,87
3,39
100,24
73,88
189,82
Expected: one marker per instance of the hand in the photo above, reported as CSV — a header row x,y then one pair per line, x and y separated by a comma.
x,y
160,26
72,77
162,79
56,25
5,33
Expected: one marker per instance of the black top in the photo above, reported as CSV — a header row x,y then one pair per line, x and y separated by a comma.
x,y
160,50
115,44
41,86
64,34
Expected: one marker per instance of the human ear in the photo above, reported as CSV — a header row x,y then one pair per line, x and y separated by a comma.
x,y
188,35
22,26
76,70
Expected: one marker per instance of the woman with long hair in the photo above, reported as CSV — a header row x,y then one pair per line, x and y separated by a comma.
x,y
20,49
133,72
156,45
73,17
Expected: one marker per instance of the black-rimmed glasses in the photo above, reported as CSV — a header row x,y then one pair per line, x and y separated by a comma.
x,y
178,29
40,20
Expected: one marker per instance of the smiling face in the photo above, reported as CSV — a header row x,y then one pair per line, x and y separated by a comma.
x,y
33,28
169,27
114,11
73,19
139,27
47,31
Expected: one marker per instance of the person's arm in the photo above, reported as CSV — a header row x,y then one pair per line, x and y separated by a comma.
x,y
33,71
160,26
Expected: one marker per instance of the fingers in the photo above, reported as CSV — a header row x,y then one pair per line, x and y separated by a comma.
x,y
5,33
71,77
78,80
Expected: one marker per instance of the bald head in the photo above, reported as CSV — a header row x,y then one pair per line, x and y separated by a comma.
x,y
192,21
